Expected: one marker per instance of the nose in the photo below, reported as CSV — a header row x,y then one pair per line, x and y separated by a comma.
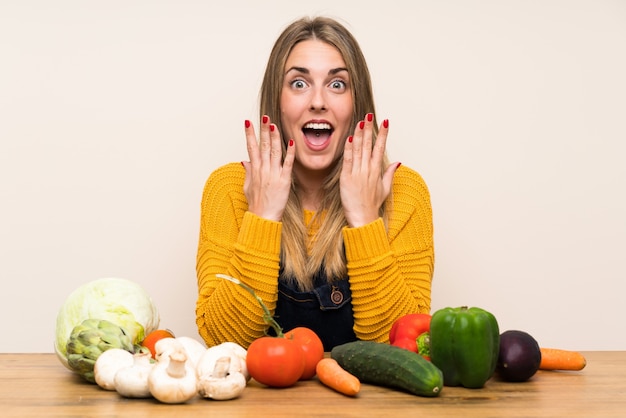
x,y
318,100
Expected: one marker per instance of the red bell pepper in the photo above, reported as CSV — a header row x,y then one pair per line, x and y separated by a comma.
x,y
406,331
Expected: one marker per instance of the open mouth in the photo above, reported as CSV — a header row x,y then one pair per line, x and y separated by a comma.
x,y
317,134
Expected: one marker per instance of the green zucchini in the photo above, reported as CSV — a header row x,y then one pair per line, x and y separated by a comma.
x,y
382,364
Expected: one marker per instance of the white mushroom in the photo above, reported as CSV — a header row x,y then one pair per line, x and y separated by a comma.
x,y
206,364
108,364
132,381
195,349
173,378
165,346
240,352
221,384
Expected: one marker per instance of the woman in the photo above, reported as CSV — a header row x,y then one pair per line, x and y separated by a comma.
x,y
327,233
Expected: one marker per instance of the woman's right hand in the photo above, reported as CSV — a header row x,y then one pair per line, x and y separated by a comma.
x,y
268,177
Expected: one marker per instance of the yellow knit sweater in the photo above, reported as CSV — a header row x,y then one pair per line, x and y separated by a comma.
x,y
390,272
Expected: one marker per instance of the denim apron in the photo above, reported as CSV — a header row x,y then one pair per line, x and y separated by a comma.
x,y
327,310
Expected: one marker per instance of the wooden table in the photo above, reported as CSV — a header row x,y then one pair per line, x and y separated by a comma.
x,y
38,385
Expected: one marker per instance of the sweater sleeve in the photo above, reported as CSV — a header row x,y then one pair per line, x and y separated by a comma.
x,y
239,244
390,271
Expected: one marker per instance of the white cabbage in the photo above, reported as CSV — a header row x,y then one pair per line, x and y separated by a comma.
x,y
119,301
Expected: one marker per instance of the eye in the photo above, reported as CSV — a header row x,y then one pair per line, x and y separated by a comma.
x,y
298,84
339,85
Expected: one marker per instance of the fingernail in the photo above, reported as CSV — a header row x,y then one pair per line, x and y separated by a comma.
x,y
399,164
291,142
362,124
247,123
386,123
349,139
265,118
272,127
243,165
370,117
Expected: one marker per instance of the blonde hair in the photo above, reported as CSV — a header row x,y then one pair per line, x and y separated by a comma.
x,y
303,256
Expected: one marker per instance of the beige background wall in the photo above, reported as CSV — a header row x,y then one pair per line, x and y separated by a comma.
x,y
113,114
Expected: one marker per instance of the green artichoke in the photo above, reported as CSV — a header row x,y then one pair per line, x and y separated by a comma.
x,y
121,301
91,338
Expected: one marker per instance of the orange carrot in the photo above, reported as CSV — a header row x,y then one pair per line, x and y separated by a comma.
x,y
330,373
557,359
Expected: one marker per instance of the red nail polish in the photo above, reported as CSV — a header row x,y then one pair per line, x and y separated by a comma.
x,y
362,124
291,142
265,118
386,123
243,165
350,139
247,123
272,127
399,164
370,117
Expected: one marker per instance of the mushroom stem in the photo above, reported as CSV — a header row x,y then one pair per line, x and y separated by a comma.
x,y
176,365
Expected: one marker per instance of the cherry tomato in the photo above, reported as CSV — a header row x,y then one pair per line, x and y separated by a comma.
x,y
311,346
275,361
152,338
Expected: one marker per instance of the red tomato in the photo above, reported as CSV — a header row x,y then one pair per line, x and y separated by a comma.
x,y
275,361
152,338
312,347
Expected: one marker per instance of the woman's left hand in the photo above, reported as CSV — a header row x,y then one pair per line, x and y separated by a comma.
x,y
364,187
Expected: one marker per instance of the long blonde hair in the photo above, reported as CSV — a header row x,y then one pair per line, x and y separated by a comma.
x,y
303,256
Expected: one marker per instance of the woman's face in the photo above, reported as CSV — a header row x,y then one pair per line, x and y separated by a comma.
x,y
316,105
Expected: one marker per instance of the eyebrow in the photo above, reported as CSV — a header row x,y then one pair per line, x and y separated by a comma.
x,y
304,70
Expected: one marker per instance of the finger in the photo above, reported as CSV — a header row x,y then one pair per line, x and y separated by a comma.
x,y
265,142
368,129
252,144
247,180
276,147
378,152
388,177
290,157
357,146
348,155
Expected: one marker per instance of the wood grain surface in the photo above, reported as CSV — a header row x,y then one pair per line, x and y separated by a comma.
x,y
34,385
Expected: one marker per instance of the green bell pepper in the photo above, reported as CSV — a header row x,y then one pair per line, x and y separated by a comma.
x,y
464,344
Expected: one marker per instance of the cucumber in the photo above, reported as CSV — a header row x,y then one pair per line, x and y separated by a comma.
x,y
382,364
